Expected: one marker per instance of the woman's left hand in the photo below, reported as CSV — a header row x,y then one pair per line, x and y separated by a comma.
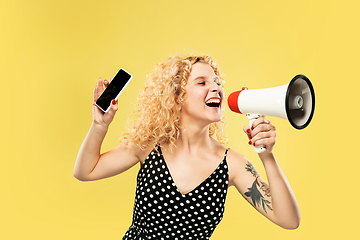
x,y
262,132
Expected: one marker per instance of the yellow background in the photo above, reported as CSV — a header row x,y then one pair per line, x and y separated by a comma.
x,y
52,52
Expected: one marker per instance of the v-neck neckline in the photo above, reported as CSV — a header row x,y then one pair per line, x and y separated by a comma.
x,y
200,184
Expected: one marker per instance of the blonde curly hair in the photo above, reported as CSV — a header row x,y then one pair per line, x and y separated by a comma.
x,y
156,119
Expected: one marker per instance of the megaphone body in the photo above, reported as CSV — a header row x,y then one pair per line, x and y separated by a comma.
x,y
294,101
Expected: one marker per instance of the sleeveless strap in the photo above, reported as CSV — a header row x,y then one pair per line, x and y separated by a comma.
x,y
226,151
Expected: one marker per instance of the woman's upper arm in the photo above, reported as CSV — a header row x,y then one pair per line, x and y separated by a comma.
x,y
243,175
115,161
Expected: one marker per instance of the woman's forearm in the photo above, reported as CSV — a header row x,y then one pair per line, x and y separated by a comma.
x,y
285,207
89,152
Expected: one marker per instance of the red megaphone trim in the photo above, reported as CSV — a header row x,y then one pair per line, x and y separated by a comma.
x,y
233,100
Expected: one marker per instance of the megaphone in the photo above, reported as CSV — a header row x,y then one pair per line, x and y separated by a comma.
x,y
294,101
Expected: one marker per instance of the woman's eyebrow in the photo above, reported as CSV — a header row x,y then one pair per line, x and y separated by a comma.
x,y
215,78
200,78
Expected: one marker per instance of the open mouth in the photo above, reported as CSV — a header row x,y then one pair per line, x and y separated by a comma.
x,y
213,102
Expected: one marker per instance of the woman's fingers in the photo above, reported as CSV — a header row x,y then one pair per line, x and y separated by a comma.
x,y
95,95
262,132
247,130
114,107
99,116
260,120
100,87
106,83
109,115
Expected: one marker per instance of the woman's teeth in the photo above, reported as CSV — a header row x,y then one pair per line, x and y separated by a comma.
x,y
213,103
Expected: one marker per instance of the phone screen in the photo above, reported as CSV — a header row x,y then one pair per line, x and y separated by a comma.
x,y
114,89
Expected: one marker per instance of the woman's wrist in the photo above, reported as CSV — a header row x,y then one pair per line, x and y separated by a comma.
x,y
99,128
267,156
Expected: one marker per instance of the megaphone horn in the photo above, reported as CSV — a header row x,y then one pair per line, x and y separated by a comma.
x,y
294,101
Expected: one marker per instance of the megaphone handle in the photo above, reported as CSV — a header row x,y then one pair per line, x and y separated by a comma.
x,y
252,117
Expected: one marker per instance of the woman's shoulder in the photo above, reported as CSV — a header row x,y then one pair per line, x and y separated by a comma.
x,y
219,149
140,152
237,165
231,155
235,156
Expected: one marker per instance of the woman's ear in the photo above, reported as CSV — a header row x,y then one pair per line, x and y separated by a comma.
x,y
178,104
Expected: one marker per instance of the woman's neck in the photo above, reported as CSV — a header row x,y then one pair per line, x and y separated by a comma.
x,y
193,138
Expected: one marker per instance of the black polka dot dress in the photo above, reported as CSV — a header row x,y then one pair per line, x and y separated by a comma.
x,y
162,212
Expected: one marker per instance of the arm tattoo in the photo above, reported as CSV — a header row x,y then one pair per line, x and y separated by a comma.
x,y
250,168
254,192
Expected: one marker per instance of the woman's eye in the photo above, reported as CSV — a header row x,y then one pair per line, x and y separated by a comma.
x,y
202,83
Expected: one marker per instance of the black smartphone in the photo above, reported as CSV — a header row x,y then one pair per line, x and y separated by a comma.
x,y
113,90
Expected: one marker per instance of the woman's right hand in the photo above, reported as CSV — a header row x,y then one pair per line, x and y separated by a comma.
x,y
99,117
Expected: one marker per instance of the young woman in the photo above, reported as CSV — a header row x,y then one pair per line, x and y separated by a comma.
x,y
185,168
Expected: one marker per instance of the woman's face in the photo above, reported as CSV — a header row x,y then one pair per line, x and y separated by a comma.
x,y
204,95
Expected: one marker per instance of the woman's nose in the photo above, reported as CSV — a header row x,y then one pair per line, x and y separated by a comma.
x,y
215,87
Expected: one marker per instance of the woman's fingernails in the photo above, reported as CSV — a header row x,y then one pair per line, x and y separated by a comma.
x,y
248,131
113,102
250,142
